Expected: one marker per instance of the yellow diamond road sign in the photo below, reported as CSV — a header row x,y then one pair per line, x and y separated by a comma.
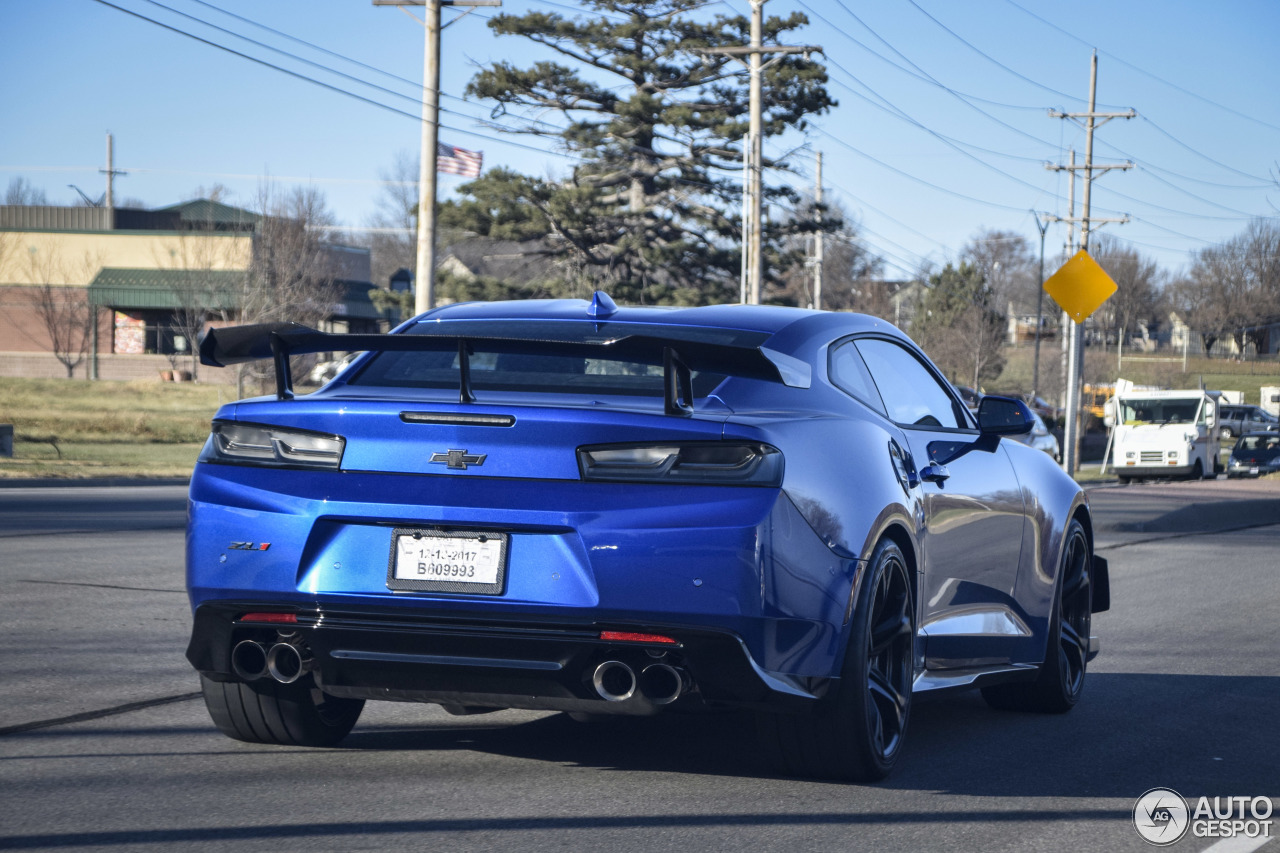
x,y
1080,286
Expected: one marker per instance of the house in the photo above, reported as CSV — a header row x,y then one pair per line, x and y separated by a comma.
x,y
118,282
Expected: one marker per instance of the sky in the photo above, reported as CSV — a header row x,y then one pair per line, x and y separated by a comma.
x,y
942,129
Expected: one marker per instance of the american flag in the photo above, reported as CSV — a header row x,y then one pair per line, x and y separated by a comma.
x,y
458,161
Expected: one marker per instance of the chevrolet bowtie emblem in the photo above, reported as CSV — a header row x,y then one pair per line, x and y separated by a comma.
x,y
458,459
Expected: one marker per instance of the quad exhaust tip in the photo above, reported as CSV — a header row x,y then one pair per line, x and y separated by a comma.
x,y
659,683
662,683
285,663
249,660
614,681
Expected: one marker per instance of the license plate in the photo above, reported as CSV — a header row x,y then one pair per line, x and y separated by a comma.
x,y
1253,470
433,560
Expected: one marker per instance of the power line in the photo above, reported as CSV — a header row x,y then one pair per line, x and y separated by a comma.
x,y
985,55
1143,71
843,144
1199,154
329,86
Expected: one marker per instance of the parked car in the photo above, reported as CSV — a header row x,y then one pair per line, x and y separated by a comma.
x,y
1043,408
1234,420
1255,454
1041,438
571,506
968,396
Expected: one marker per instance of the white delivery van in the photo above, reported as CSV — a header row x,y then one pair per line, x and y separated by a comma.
x,y
1165,434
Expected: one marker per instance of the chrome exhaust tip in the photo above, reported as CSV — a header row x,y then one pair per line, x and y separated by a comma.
x,y
285,663
249,660
614,681
662,683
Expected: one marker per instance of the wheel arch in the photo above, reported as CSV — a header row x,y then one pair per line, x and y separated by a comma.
x,y
893,527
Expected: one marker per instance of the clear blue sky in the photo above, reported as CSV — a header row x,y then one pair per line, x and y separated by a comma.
x,y
942,128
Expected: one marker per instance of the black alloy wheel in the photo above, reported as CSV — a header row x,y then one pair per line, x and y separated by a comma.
x,y
857,733
888,671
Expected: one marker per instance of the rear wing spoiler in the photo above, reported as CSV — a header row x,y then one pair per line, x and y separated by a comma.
x,y
681,350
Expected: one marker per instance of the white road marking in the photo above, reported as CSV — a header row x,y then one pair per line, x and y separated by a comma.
x,y
1238,844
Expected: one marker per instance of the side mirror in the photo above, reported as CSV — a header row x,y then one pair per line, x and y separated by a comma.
x,y
1210,415
1004,416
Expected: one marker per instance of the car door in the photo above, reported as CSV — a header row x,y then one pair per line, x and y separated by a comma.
x,y
970,505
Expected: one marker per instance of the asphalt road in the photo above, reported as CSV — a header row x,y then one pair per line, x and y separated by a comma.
x,y
104,745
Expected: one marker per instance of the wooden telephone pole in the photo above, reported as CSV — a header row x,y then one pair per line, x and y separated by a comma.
x,y
424,291
1075,351
753,153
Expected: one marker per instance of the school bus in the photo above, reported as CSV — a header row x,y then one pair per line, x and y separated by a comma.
x,y
1094,399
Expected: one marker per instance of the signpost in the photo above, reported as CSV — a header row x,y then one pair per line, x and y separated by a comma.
x,y
1079,287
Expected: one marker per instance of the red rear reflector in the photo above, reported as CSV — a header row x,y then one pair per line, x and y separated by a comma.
x,y
631,637
269,617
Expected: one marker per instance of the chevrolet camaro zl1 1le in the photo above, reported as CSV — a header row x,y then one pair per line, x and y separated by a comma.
x,y
567,505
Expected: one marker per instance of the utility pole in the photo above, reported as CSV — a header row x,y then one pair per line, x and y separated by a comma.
x,y
1035,370
424,296
817,239
745,279
753,151
110,172
1075,356
109,200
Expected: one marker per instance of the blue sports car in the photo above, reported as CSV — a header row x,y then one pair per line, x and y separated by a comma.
x,y
571,506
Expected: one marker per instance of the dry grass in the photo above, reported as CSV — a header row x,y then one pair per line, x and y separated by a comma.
x,y
69,428
141,411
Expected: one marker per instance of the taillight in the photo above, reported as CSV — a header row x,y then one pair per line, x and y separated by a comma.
x,y
260,444
711,463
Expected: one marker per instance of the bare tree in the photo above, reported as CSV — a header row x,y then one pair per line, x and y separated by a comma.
x,y
22,191
852,275
65,314
293,274
1222,295
1138,283
205,276
959,324
393,245
1005,261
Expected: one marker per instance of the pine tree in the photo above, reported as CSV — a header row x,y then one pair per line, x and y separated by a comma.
x,y
650,211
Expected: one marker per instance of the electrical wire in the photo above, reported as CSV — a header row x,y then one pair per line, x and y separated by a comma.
x,y
1143,71
329,86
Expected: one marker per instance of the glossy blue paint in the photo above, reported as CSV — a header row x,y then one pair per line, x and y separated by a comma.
x,y
774,569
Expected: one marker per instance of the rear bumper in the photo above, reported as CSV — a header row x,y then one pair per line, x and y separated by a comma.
x,y
468,662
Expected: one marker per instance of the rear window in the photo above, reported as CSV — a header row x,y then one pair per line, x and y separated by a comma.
x,y
1265,446
533,367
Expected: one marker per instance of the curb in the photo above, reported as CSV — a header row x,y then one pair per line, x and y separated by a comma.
x,y
89,482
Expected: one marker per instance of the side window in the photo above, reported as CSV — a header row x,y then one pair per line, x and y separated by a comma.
x,y
912,395
849,374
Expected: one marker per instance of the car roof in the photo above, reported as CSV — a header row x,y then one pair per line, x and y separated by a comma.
x,y
782,324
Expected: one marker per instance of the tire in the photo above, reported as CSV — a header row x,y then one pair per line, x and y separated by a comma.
x,y
1124,481
1226,433
856,733
1060,681
1197,471
265,711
